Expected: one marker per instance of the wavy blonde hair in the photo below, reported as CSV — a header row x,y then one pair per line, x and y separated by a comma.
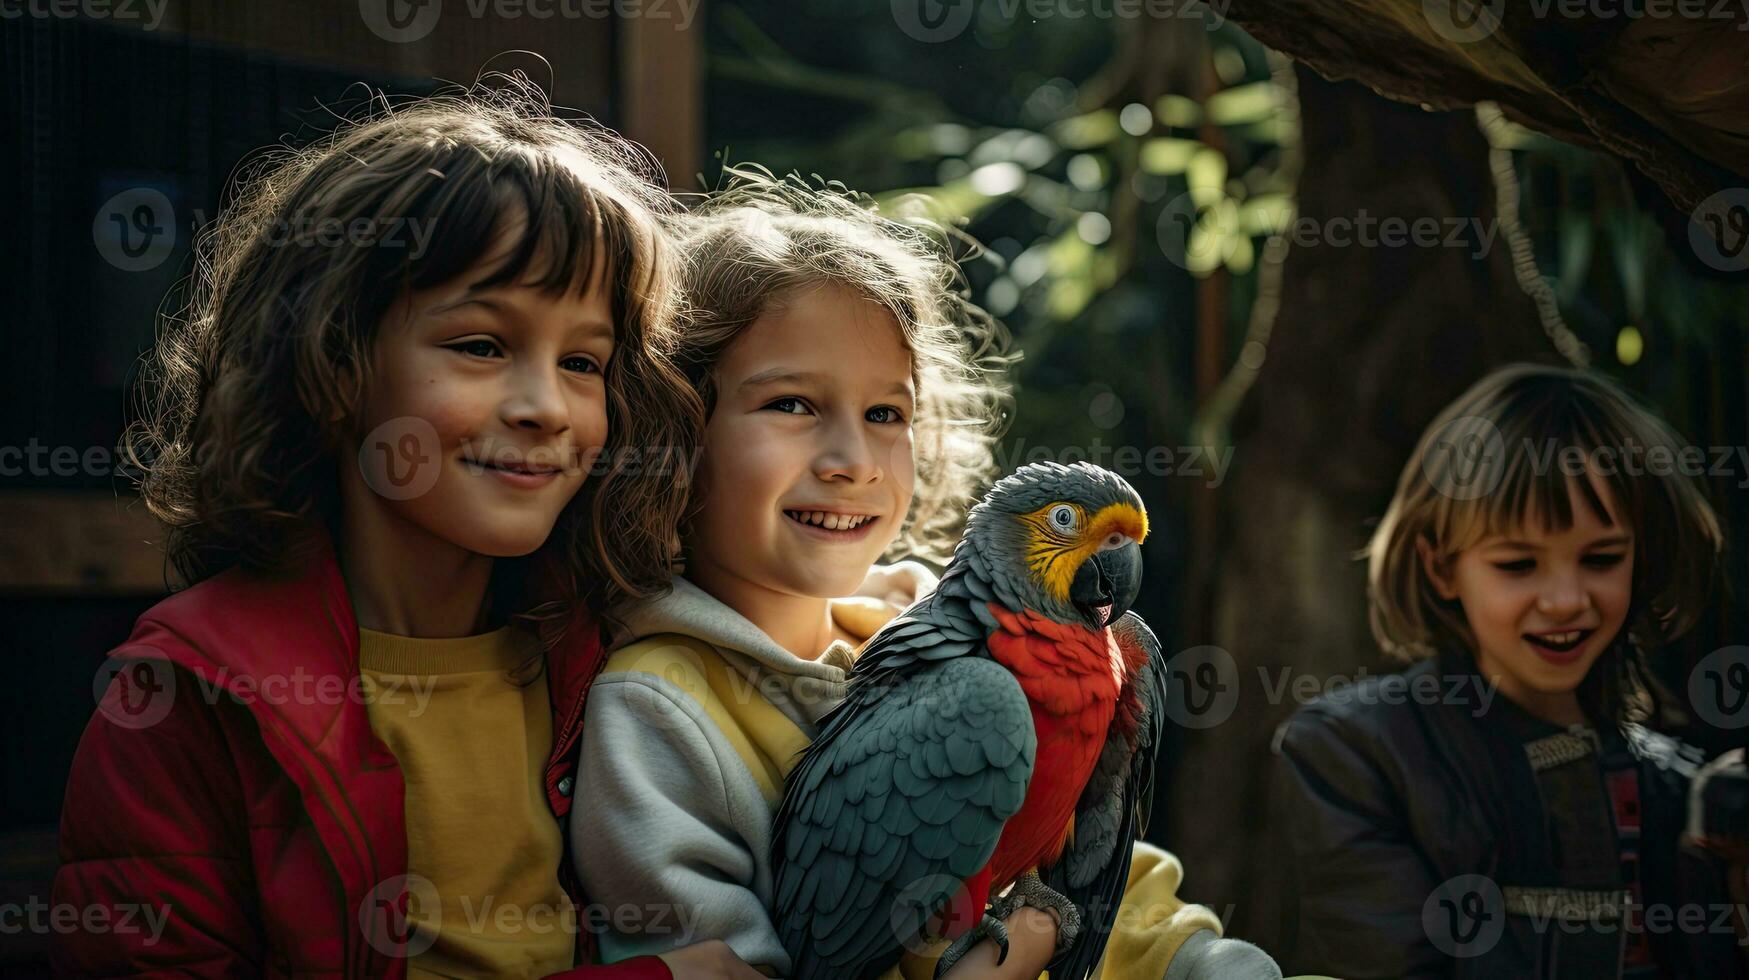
x,y
248,394
758,239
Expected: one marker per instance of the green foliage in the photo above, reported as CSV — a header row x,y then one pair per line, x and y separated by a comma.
x,y
1079,197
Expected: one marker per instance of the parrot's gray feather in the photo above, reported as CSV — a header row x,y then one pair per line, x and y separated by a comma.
x,y
904,792
883,819
950,622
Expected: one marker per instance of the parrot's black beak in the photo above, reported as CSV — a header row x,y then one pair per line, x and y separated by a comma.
x,y
1106,585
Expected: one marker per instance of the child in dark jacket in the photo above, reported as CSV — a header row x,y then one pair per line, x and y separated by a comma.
x,y
1498,810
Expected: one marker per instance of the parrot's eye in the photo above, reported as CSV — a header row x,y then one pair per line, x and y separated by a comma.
x,y
1062,517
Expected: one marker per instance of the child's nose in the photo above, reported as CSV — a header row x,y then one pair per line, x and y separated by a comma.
x,y
1563,596
849,455
535,400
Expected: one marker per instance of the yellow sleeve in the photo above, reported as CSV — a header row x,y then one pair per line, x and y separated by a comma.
x,y
1152,921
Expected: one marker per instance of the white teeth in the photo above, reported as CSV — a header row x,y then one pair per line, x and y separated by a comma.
x,y
1560,638
831,522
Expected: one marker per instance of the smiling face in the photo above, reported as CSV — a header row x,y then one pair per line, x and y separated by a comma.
x,y
807,470
487,406
1543,604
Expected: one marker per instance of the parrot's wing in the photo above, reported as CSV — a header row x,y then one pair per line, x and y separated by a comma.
x,y
952,621
892,809
1114,807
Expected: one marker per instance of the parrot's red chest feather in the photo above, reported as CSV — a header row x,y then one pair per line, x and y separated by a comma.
x,y
1073,676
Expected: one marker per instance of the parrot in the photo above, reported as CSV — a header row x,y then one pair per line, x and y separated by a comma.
x,y
995,747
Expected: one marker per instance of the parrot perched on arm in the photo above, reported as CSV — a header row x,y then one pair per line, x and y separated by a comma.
x,y
1000,732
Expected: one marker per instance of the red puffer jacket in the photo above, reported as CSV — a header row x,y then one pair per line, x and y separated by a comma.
x,y
232,813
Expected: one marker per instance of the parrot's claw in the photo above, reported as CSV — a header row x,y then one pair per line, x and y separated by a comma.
x,y
989,928
1030,891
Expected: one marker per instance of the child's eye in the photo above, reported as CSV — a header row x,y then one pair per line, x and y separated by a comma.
x,y
1516,566
789,406
580,364
476,348
1607,560
885,415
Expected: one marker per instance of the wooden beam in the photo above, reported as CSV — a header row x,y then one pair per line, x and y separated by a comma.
x,y
77,543
383,40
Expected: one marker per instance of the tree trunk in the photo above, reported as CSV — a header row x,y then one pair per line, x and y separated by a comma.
x,y
1371,341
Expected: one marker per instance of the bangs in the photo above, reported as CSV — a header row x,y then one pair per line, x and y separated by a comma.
x,y
1555,455
562,223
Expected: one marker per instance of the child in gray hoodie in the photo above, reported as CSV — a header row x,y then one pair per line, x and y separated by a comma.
x,y
853,402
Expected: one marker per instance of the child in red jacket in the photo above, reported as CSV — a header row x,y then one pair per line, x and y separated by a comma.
x,y
389,438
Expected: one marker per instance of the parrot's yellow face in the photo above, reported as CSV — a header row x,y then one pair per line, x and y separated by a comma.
x,y
1061,535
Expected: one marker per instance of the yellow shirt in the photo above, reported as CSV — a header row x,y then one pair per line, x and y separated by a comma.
x,y
483,849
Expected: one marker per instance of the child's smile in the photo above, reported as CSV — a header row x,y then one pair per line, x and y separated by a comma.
x,y
1544,603
807,470
506,384
1560,646
832,525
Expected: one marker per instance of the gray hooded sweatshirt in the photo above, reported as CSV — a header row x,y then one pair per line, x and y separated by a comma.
x,y
690,729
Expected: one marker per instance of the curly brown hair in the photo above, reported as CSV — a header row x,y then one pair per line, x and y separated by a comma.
x,y
757,239
247,396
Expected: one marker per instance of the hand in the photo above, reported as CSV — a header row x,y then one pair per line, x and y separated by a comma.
x,y
709,960
1032,938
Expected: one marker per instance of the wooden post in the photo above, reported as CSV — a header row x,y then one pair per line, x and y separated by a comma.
x,y
660,93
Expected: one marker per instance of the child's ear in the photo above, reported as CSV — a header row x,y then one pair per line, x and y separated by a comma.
x,y
1438,571
351,381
